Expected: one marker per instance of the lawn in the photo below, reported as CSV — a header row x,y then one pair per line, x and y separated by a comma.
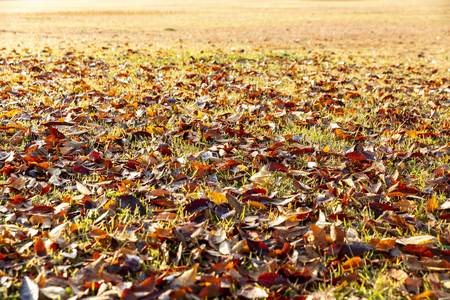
x,y
241,149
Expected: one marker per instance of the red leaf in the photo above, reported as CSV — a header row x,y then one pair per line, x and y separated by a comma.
x,y
42,209
356,156
380,207
254,192
418,250
128,295
258,247
444,216
59,135
81,170
45,190
148,285
340,217
270,279
274,166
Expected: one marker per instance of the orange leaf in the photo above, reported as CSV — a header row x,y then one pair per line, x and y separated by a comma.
x,y
386,244
425,295
74,228
110,204
432,205
159,192
256,204
352,263
37,219
39,248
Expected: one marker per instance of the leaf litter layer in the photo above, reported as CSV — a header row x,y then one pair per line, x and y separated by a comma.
x,y
169,175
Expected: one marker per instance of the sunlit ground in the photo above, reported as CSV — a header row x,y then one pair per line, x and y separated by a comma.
x,y
266,24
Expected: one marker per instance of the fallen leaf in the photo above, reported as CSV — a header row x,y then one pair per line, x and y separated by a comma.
x,y
187,278
397,274
83,189
252,292
29,290
39,248
318,236
417,240
352,264
337,235
424,295
386,244
132,203
432,205
218,197
235,204
270,279
54,292
321,296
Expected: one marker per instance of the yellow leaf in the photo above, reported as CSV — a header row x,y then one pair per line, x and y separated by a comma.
x,y
13,112
432,205
412,133
218,197
257,205
326,149
242,167
15,126
193,195
317,106
155,130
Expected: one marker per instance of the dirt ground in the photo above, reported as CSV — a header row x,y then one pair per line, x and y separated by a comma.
x,y
400,26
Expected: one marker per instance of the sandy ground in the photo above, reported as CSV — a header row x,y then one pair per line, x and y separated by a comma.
x,y
250,25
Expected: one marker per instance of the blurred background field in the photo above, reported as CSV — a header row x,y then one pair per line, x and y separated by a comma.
x,y
264,25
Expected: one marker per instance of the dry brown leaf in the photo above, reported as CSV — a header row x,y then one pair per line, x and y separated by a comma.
x,y
187,278
397,274
318,236
337,234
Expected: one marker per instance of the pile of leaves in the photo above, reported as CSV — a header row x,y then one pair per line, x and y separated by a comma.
x,y
134,174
